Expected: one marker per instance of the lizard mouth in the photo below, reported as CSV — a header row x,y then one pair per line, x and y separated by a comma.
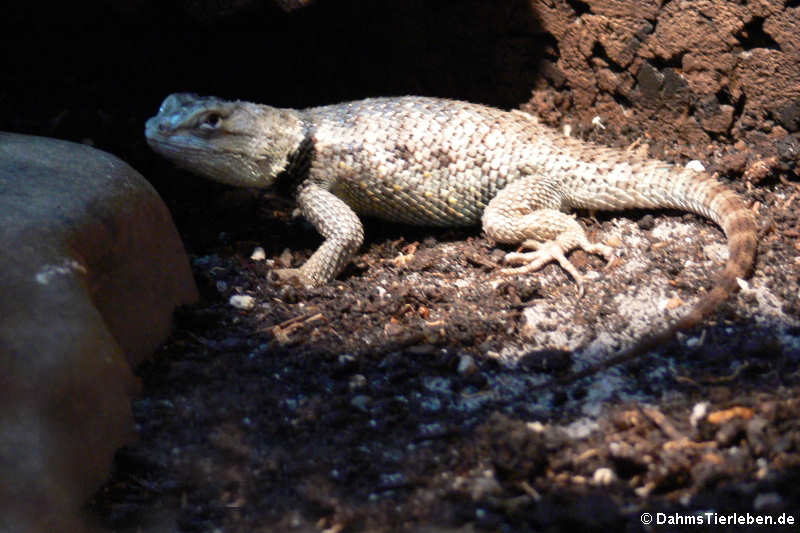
x,y
162,139
153,131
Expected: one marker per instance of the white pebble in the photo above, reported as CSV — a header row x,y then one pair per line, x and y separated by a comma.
x,y
699,412
604,476
536,426
258,254
694,164
242,301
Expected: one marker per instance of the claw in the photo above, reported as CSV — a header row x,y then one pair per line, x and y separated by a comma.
x,y
551,251
599,249
531,261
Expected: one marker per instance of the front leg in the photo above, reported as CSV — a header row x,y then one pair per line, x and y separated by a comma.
x,y
338,224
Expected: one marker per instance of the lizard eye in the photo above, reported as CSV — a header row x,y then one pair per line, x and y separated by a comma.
x,y
211,121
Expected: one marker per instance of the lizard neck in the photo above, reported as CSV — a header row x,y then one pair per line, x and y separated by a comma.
x,y
298,162
277,140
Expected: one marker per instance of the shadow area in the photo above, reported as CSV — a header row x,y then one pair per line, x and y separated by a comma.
x,y
309,424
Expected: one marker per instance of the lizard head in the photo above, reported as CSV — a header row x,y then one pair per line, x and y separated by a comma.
x,y
238,143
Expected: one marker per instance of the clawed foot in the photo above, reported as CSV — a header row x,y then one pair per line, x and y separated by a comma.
x,y
551,251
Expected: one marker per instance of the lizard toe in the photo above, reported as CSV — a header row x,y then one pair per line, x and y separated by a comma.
x,y
607,252
532,261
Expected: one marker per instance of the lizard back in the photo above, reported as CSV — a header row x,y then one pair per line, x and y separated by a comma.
x,y
423,161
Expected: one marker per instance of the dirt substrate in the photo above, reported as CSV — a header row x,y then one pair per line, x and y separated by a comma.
x,y
421,391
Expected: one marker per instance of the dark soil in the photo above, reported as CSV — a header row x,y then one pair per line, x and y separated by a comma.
x,y
409,394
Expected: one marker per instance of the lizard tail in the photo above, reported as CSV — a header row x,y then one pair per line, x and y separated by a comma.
x,y
701,194
706,196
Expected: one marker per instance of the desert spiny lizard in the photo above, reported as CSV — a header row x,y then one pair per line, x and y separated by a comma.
x,y
438,162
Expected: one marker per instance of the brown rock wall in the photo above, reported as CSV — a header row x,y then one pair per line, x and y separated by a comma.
x,y
702,74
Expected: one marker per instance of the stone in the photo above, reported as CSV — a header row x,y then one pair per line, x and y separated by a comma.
x,y
91,268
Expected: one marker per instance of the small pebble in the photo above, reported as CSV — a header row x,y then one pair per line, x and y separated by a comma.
x,y
604,476
361,402
357,381
694,342
536,426
346,359
242,301
466,365
258,254
699,412
694,164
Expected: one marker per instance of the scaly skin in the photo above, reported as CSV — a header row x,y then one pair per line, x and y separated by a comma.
x,y
437,162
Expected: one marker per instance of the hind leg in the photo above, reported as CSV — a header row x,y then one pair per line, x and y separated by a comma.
x,y
526,213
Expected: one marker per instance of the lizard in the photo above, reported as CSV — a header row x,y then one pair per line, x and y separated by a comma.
x,y
440,162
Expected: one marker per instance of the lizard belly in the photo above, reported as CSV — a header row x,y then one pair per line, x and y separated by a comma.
x,y
432,199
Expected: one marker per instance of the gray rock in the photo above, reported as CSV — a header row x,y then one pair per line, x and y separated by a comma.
x,y
91,268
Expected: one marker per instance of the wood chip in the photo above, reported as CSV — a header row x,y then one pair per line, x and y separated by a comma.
x,y
720,417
